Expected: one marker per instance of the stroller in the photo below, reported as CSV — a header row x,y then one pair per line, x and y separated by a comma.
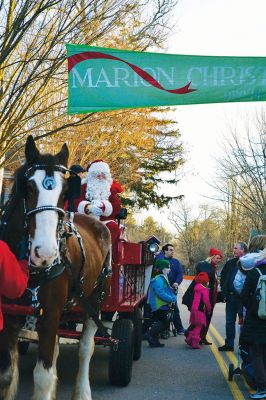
x,y
171,327
244,366
148,323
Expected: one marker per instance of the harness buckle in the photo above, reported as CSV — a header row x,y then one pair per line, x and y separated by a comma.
x,y
115,343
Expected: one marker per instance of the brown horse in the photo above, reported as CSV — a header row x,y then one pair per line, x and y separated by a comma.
x,y
78,260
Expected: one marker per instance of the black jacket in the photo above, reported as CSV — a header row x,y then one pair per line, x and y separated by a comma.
x,y
254,329
226,274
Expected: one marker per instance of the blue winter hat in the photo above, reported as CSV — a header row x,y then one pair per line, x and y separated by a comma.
x,y
249,260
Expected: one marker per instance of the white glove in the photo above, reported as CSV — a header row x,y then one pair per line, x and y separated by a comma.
x,y
95,209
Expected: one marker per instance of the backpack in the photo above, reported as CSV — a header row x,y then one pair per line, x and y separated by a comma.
x,y
260,295
188,295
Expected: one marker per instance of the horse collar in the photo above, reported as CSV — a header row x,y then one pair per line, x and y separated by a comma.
x,y
48,273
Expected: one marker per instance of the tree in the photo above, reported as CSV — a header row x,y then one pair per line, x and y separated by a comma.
x,y
138,146
34,89
149,227
33,78
242,175
196,234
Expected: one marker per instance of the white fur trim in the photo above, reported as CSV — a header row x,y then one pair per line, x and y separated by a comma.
x,y
108,208
100,166
98,190
82,205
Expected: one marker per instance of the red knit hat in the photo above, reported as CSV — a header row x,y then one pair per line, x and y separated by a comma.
x,y
214,252
202,278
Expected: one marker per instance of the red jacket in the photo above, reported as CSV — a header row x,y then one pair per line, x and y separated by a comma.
x,y
14,276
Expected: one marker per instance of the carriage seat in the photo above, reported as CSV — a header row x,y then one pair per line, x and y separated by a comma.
x,y
122,214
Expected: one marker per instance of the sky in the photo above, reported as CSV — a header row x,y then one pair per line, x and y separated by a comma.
x,y
221,28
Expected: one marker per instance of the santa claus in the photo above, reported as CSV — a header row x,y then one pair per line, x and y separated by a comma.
x,y
101,197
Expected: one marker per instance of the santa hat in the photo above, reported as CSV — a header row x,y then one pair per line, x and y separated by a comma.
x,y
214,252
98,166
202,278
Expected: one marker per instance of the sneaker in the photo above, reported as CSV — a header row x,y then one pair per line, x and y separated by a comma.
x,y
154,342
260,394
180,332
204,341
225,347
158,344
165,334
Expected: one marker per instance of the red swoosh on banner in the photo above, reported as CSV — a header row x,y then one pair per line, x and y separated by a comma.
x,y
90,55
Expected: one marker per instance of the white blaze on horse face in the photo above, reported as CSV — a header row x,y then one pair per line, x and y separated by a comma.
x,y
44,247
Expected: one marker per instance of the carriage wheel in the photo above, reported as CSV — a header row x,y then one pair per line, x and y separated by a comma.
x,y
121,358
231,372
23,347
137,322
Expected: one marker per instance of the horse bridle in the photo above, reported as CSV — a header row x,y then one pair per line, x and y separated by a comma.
x,y
28,174
49,184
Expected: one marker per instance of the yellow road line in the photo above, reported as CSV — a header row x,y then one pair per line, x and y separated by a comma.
x,y
236,392
220,340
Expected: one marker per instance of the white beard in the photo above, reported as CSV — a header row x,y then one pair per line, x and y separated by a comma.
x,y
98,190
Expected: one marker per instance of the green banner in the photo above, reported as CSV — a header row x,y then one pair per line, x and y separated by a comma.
x,y
103,79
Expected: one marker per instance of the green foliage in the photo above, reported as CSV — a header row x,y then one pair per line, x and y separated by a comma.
x,y
149,227
166,156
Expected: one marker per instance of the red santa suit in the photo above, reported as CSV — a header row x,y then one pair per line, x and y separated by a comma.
x,y
101,197
14,276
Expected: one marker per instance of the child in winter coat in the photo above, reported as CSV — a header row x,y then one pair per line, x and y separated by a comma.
x,y
160,298
200,308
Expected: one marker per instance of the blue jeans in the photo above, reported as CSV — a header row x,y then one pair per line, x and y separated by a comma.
x,y
232,307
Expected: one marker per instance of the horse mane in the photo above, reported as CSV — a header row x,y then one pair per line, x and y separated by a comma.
x,y
11,212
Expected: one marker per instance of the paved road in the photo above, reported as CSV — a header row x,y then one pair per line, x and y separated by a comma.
x,y
173,372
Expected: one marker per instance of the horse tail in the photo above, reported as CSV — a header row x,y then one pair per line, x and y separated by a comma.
x,y
9,379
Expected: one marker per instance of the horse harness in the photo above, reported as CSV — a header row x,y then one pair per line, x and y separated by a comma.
x,y
65,229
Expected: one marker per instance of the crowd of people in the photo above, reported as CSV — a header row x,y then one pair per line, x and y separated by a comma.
x,y
242,287
99,198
